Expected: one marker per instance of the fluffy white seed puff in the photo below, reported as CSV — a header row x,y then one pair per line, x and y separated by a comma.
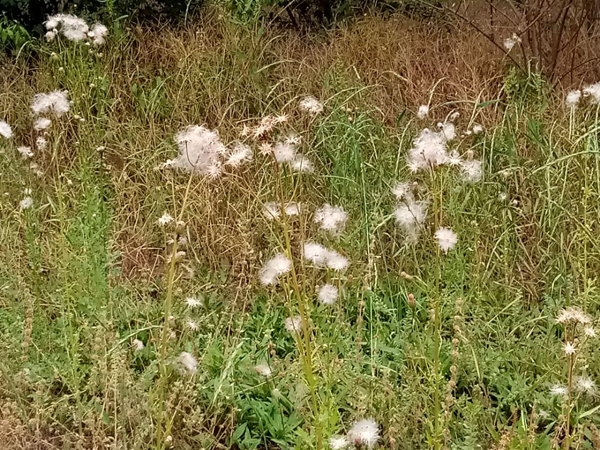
x,y
165,219
410,216
328,294
98,34
423,111
331,218
311,105
200,150
569,348
5,130
41,123
284,151
321,256
510,42
573,98
558,390
446,238
263,369
364,432
272,210
573,315
472,170
593,91
275,267
188,363
240,154
72,27
429,150
26,203
585,385
56,102
338,442
293,324
193,302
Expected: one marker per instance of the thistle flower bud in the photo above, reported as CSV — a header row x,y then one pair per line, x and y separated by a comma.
x,y
411,301
406,276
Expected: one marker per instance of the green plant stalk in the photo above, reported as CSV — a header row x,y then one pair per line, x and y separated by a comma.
x,y
567,441
304,347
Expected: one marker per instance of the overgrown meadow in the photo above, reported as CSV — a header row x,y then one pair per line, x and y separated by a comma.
x,y
224,237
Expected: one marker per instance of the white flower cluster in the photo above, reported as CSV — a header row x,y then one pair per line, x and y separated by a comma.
x,y
275,267
285,152
364,433
321,257
331,218
75,29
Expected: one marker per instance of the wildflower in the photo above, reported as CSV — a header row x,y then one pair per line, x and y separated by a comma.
x,y
271,210
558,390
293,324
573,98
592,90
5,130
429,150
585,385
72,27
569,348
266,148
199,150
274,268
188,362
97,34
590,332
472,170
454,158
336,261
311,105
301,163
331,218
328,294
364,432
176,257
575,315
510,42
477,129
55,102
41,123
401,190
447,238
315,253
338,442
165,219
192,325
193,302
137,345
240,154
423,111
284,151
292,209
263,369
26,203
41,143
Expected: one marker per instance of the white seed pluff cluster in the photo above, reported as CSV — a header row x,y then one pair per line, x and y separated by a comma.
x,y
573,315
328,294
472,170
338,442
293,324
285,152
364,432
26,203
311,105
429,150
446,238
331,218
263,369
410,217
510,42
275,267
272,210
75,29
200,150
592,91
573,98
187,363
423,111
322,257
56,102
5,130
41,123
240,154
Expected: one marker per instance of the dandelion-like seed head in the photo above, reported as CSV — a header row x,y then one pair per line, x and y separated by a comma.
x,y
573,315
471,170
56,102
193,302
364,432
293,324
41,123
240,154
293,209
429,150
410,216
510,42
275,267
165,219
585,385
200,150
477,129
26,203
331,218
590,332
336,261
558,390
311,105
272,210
98,34
137,345
338,442
446,238
5,130
569,348
572,99
41,143
192,325
315,253
263,369
593,91
423,111
188,363
328,294
284,151
302,164
402,190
